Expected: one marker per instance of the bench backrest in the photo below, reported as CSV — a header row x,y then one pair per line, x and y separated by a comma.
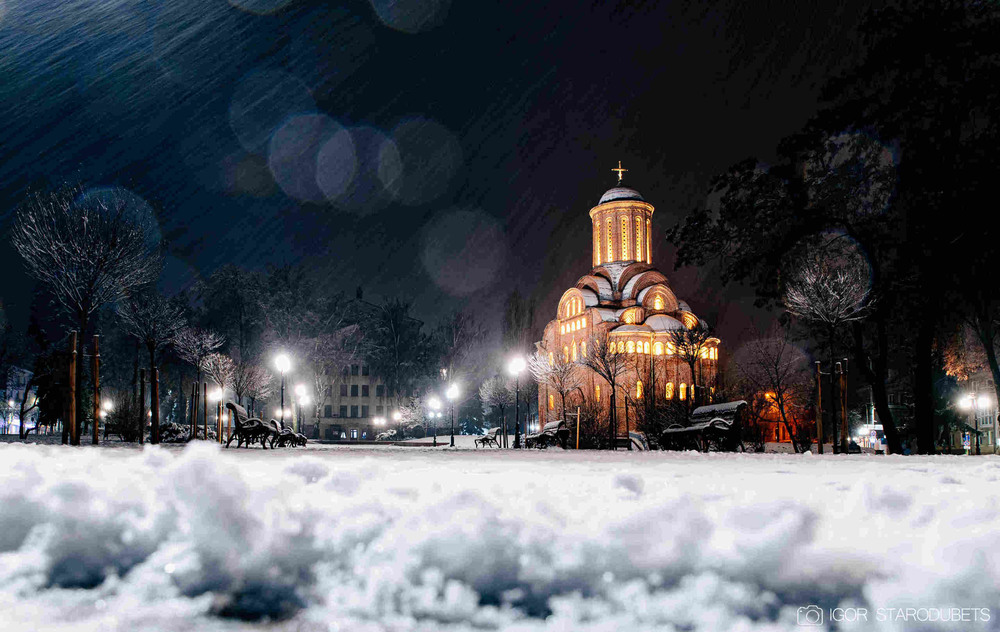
x,y
239,413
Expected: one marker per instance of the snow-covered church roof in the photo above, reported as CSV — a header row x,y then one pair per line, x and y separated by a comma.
x,y
620,193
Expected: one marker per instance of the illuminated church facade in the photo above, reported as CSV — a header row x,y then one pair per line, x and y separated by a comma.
x,y
626,299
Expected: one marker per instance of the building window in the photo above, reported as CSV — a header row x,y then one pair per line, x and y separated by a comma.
x,y
683,391
328,391
380,390
649,249
658,302
552,402
638,389
597,244
597,392
346,370
583,348
354,433
611,254
364,411
670,348
692,391
328,411
552,360
573,352
365,390
630,346
354,411
343,390
343,411
565,353
354,390
645,348
670,390
365,369
354,369
378,410
638,239
624,238
621,346
658,348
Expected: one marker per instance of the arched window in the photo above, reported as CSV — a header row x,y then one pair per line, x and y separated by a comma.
x,y
565,353
683,391
658,302
630,346
624,237
562,329
574,352
692,391
621,346
638,389
597,392
670,348
552,402
597,244
658,348
583,348
610,240
552,360
703,353
649,249
638,239
645,348
670,390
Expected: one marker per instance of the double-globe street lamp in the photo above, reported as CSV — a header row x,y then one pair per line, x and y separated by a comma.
x,y
283,364
516,366
975,403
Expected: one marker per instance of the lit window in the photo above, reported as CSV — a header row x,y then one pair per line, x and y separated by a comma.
x,y
565,353
597,244
670,348
611,254
597,392
552,360
630,346
552,402
562,329
583,322
627,318
621,346
624,238
574,352
683,391
658,302
658,348
649,249
703,353
670,390
692,391
638,389
645,348
638,239
583,348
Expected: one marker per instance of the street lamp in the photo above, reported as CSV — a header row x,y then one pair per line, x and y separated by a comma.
x,y
515,367
300,396
216,396
975,403
435,404
283,363
452,395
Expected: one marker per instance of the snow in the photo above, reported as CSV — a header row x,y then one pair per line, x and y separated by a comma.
x,y
390,538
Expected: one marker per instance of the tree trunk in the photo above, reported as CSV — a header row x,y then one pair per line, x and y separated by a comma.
x,y
876,374
834,392
923,383
613,418
987,338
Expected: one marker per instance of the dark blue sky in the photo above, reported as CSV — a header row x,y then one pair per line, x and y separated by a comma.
x,y
441,152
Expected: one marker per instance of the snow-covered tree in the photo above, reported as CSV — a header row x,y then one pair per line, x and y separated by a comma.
x,y
557,374
497,394
604,359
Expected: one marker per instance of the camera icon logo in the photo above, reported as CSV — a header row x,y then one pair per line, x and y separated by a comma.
x,y
809,615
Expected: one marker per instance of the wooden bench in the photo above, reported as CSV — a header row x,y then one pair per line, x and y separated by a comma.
x,y
552,433
492,437
710,428
248,430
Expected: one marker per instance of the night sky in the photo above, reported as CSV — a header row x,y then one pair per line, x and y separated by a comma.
x,y
442,152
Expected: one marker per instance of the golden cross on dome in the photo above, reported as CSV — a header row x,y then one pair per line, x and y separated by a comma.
x,y
620,171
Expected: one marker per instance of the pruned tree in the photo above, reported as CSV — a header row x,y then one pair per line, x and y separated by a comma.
x,y
497,394
558,374
690,343
89,249
777,374
152,319
193,345
220,368
605,360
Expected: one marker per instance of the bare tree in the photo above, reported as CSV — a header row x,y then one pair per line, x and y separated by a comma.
x,y
248,375
690,343
606,361
558,374
89,249
220,368
777,371
259,386
193,345
497,393
152,319
831,287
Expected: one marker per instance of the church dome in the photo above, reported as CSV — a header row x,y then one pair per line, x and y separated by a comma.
x,y
620,193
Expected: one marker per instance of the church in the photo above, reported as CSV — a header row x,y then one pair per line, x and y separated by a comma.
x,y
628,301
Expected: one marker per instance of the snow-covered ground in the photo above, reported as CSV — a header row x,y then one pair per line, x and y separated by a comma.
x,y
380,538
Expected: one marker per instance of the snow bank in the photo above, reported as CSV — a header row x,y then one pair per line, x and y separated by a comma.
x,y
410,539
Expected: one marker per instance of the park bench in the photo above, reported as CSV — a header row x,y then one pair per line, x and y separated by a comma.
x,y
492,437
248,430
709,428
552,433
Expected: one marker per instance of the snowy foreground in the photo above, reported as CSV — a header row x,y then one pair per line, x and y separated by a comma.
x,y
363,539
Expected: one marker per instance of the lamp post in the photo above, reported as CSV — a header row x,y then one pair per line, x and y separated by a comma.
x,y
435,404
515,367
975,403
216,396
300,399
452,395
283,364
